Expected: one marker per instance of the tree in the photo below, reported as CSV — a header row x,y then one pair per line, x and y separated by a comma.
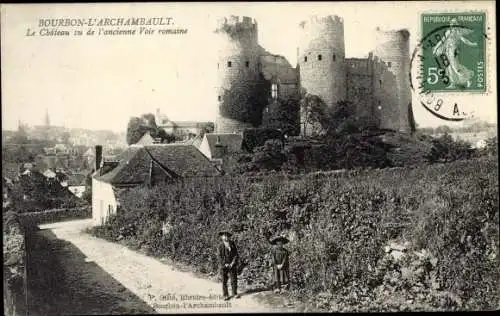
x,y
284,114
135,130
270,156
205,128
146,123
312,114
446,149
341,119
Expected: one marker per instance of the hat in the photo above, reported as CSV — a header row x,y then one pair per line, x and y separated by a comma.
x,y
223,232
274,240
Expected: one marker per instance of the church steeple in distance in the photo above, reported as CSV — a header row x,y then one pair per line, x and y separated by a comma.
x,y
47,118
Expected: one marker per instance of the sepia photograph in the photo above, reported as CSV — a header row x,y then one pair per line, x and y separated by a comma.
x,y
249,157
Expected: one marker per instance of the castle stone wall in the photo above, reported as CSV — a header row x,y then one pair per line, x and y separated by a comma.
x,y
378,85
360,89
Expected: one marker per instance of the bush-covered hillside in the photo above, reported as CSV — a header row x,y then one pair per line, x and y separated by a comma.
x,y
444,215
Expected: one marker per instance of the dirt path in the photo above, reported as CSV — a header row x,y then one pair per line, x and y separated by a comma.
x,y
158,285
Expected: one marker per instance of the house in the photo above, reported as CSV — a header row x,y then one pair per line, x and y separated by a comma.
x,y
77,184
147,139
196,141
215,146
144,165
182,129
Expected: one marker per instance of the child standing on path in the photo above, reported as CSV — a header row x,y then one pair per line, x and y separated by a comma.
x,y
280,258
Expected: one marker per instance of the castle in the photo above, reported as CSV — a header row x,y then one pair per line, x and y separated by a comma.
x,y
249,78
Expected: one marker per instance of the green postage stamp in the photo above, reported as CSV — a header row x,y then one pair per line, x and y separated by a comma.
x,y
454,52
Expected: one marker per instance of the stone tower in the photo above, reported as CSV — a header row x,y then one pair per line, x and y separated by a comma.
x,y
237,74
321,58
393,49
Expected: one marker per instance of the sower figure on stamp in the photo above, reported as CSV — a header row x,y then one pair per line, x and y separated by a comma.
x,y
281,267
228,259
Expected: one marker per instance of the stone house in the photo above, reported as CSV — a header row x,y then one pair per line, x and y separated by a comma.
x,y
146,166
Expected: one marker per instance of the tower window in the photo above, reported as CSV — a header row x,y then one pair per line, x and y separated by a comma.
x,y
219,98
229,64
305,59
334,57
320,57
389,64
380,83
217,65
274,91
247,64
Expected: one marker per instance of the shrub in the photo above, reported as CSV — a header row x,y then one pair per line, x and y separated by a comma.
x,y
338,223
445,149
256,137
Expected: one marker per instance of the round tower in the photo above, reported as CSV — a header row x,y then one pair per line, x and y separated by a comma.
x,y
321,58
237,74
393,49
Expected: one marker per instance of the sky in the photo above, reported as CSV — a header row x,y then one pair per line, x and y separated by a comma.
x,y
99,82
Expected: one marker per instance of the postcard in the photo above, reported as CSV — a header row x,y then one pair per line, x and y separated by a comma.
x,y
249,157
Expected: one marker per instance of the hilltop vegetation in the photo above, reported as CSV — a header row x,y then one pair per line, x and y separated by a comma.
x,y
447,213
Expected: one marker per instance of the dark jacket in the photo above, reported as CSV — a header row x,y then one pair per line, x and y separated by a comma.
x,y
280,256
228,256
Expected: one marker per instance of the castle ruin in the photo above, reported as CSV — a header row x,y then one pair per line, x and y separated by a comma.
x,y
250,78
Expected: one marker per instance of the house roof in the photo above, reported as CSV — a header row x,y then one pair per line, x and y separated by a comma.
x,y
184,124
76,179
177,159
233,142
195,141
146,139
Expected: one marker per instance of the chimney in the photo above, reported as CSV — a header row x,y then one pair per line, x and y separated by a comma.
x,y
219,149
98,157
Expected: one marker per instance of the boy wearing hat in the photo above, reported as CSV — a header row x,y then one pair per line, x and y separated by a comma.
x,y
280,259
228,259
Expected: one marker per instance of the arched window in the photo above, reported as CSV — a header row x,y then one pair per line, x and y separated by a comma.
x,y
219,98
274,90
305,59
229,64
320,57
380,83
217,65
247,64
334,57
389,64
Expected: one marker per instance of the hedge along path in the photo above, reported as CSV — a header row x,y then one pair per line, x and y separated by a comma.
x,y
158,284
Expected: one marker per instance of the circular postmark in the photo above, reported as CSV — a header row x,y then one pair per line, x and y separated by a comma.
x,y
448,66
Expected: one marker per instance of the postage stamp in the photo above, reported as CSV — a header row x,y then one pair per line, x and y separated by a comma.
x,y
450,68
454,52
